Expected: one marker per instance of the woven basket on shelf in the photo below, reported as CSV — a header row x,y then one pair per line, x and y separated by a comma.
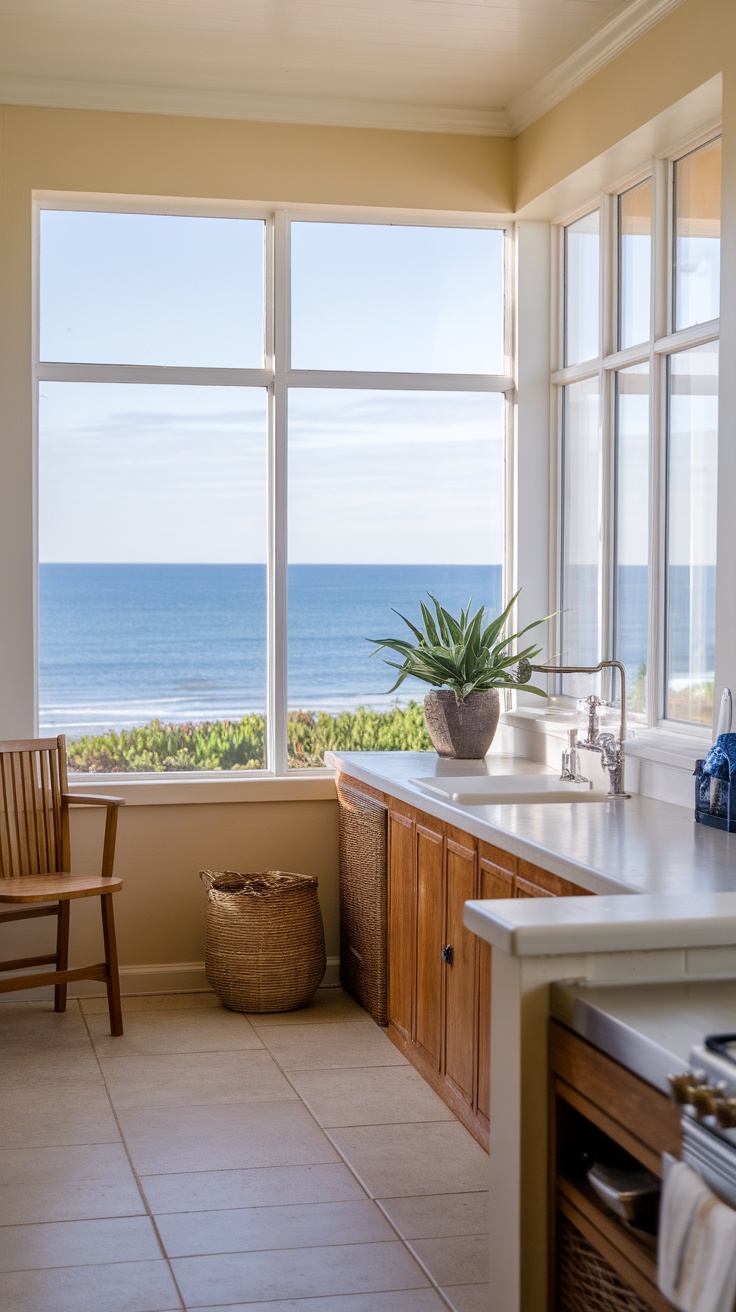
x,y
265,948
585,1280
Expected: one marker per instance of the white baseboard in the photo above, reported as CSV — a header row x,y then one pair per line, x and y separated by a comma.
x,y
171,977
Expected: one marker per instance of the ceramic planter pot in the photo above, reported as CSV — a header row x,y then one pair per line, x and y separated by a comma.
x,y
461,730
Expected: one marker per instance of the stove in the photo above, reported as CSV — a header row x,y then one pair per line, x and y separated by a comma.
x,y
707,1095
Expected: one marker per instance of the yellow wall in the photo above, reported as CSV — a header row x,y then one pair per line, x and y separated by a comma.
x,y
273,162
691,45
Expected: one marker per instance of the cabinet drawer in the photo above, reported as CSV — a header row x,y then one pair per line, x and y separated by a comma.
x,y
552,885
639,1117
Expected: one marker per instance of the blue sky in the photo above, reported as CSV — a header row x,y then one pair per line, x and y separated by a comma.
x,y
134,472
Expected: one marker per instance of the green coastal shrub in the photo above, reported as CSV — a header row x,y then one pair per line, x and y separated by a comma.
x,y
240,745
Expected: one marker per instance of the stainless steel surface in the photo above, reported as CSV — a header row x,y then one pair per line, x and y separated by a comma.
x,y
652,1029
713,1156
611,749
633,1195
570,773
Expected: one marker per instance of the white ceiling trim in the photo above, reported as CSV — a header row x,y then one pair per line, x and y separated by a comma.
x,y
590,56
62,94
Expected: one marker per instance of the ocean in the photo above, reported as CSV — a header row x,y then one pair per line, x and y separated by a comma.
x,y
122,644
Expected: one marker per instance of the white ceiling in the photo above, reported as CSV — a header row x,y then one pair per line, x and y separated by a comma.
x,y
452,65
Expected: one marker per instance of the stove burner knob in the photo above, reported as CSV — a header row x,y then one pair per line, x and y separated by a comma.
x,y
726,1113
705,1099
683,1086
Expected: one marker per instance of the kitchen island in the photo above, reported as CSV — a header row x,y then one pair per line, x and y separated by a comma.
x,y
665,909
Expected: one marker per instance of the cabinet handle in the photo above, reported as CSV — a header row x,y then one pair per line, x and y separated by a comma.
x,y
447,953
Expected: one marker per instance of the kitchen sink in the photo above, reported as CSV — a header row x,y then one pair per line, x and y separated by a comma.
x,y
489,789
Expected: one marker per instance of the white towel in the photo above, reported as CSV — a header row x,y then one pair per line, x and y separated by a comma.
x,y
697,1245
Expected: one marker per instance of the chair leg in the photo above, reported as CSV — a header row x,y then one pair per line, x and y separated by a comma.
x,y
62,953
111,964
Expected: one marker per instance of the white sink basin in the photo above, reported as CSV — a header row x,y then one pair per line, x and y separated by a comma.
x,y
488,789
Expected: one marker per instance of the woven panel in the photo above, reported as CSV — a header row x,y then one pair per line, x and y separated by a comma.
x,y
363,900
265,948
585,1280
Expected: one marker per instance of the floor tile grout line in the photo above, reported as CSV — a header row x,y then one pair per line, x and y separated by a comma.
x,y
136,1176
356,1174
299,1097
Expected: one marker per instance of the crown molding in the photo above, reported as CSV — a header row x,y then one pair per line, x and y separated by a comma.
x,y
585,60
316,111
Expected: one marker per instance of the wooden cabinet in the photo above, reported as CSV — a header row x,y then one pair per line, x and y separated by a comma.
x,y
439,974
602,1112
430,856
461,972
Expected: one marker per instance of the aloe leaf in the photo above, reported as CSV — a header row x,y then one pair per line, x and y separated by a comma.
x,y
417,632
429,625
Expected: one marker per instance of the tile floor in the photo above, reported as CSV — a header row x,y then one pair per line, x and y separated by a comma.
x,y
289,1163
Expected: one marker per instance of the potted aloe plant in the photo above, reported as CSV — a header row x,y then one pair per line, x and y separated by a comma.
x,y
466,660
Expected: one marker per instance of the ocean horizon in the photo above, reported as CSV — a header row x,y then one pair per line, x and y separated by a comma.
x,y
122,644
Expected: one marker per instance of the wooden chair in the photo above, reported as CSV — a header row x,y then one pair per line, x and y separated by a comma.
x,y
35,866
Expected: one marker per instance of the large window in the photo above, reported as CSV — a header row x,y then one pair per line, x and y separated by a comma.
x,y
258,434
638,404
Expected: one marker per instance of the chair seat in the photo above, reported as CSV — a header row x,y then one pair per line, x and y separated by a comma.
x,y
49,888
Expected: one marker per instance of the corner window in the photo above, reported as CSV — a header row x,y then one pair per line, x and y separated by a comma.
x,y
639,463
257,435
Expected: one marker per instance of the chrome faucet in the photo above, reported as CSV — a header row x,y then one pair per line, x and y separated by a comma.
x,y
610,748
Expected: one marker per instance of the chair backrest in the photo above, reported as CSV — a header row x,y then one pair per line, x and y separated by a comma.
x,y
34,824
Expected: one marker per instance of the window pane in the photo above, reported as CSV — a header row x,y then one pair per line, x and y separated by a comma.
x,y
380,297
691,533
698,236
391,495
631,595
581,542
151,289
582,288
635,264
152,521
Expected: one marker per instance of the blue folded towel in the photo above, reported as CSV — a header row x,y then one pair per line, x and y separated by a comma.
x,y
720,763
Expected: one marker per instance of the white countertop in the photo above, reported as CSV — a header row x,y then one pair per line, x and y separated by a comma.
x,y
566,926
634,845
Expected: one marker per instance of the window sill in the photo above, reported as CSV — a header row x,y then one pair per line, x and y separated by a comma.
x,y
208,788
678,748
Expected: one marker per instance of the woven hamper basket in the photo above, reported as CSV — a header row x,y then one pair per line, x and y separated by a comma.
x,y
265,948
585,1280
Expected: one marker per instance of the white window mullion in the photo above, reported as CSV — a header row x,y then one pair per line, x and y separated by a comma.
x,y
608,514
278,531
399,382
153,375
660,311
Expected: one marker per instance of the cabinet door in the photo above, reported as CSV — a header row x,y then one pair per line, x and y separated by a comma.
x,y
430,928
494,881
461,988
401,922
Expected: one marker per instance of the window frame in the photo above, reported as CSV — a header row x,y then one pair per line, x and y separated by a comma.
x,y
278,377
663,343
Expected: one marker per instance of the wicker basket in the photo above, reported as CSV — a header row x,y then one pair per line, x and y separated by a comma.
x,y
585,1281
363,900
265,946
